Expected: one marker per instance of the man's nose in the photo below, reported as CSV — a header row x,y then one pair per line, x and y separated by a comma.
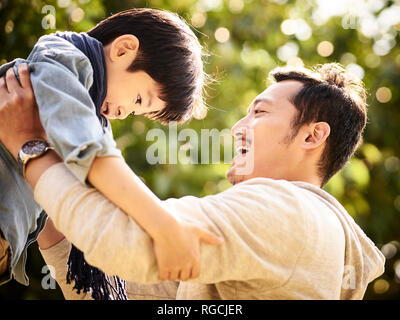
x,y
239,128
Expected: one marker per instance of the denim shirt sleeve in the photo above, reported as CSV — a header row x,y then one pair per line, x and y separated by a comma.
x,y
61,78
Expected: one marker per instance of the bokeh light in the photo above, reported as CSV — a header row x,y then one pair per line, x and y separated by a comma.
x,y
77,15
210,5
347,58
199,19
295,62
325,48
297,27
381,286
222,34
356,70
288,26
381,47
389,250
287,51
63,3
236,6
383,94
9,27
372,61
396,267
392,164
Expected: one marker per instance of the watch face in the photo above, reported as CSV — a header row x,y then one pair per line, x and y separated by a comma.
x,y
34,147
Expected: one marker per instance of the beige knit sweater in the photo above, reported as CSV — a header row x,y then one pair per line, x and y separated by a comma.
x,y
282,240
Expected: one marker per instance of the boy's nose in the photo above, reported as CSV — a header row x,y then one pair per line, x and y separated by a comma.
x,y
120,113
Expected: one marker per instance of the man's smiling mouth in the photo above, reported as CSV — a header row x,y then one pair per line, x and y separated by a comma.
x,y
242,149
243,146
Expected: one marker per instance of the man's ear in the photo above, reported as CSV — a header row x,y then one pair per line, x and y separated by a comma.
x,y
316,135
124,47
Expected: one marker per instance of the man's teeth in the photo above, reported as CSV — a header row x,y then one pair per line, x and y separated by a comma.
x,y
242,150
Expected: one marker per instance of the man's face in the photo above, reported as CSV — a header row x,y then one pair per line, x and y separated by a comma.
x,y
263,137
130,92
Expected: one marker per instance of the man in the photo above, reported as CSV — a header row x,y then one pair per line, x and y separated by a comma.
x,y
284,237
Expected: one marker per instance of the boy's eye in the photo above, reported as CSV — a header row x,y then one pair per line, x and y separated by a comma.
x,y
258,111
138,99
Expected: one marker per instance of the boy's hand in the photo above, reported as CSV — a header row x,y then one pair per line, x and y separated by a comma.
x,y
178,251
19,115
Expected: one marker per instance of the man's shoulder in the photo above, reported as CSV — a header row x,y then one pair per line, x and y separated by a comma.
x,y
297,200
268,187
296,189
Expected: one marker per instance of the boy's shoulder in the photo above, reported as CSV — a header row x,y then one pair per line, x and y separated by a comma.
x,y
60,53
51,44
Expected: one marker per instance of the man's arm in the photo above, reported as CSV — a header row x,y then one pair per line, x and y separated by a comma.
x,y
12,91
253,217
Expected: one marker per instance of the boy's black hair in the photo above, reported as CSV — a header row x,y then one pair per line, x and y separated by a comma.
x,y
168,51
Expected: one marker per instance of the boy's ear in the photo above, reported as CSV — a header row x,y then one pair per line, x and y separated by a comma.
x,y
316,134
125,47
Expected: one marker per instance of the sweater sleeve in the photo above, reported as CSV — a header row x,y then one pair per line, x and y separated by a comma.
x,y
56,258
253,217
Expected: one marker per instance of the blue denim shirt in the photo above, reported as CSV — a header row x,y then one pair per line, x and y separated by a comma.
x,y
61,77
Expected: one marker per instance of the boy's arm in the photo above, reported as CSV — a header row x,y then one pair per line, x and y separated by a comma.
x,y
176,243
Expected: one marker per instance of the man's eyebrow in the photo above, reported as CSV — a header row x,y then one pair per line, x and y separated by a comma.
x,y
260,100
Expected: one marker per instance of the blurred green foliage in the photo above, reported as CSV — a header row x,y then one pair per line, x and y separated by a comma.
x,y
244,40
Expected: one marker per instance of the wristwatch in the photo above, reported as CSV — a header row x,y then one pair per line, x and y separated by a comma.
x,y
30,150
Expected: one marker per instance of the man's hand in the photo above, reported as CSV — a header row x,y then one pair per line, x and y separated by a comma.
x,y
177,250
19,115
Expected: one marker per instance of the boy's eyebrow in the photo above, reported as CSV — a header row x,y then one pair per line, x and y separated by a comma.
x,y
150,99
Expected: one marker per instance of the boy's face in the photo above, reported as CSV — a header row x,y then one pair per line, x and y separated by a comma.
x,y
131,93
128,92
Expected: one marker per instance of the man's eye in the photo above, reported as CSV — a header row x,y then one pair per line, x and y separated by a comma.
x,y
138,99
258,111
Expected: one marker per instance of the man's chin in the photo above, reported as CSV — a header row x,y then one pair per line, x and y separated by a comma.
x,y
233,177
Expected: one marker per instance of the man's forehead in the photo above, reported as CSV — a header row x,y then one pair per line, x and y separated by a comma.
x,y
282,90
278,93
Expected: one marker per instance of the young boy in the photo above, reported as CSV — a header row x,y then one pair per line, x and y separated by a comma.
x,y
139,61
